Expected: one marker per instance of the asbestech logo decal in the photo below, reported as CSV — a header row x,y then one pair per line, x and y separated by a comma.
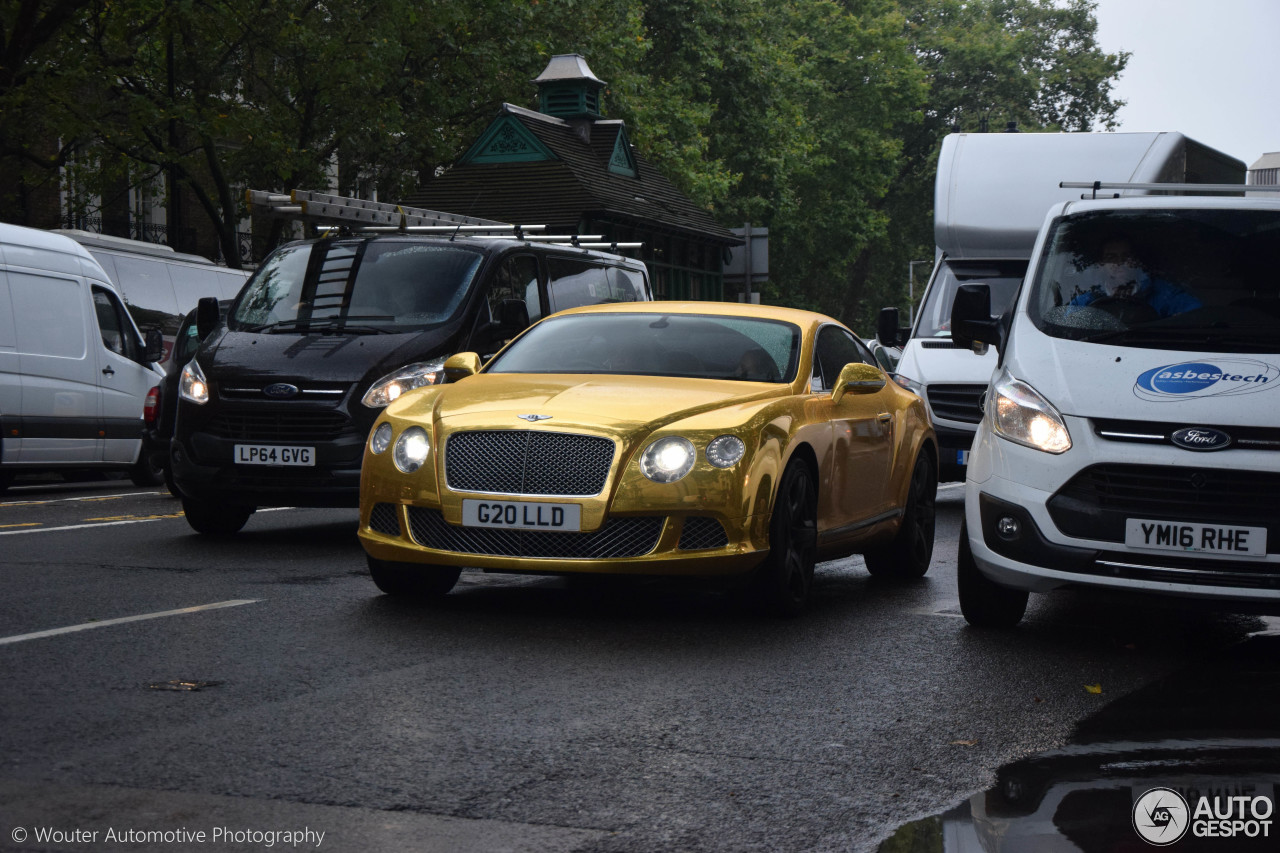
x,y
1221,378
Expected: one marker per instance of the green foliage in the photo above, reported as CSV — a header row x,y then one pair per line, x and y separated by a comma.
x,y
819,119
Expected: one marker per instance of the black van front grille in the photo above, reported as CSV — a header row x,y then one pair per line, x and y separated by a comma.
x,y
288,425
961,403
527,462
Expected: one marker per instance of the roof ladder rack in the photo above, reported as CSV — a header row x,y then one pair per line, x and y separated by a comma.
x,y
1214,189
361,216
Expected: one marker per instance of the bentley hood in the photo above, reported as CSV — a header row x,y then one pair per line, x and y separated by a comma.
x,y
615,403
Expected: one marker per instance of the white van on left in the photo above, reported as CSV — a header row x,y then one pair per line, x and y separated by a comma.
x,y
74,370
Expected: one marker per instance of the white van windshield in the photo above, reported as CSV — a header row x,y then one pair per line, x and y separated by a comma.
x,y
1183,279
1002,277
374,286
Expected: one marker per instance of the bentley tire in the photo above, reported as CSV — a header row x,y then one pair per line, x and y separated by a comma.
x,y
413,580
909,554
786,578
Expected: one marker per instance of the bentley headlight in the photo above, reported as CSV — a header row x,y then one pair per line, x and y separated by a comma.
x,y
381,438
411,449
192,385
724,451
1021,415
667,459
391,386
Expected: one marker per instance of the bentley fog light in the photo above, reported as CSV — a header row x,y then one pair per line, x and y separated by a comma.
x,y
192,385
388,388
381,438
725,451
667,459
411,449
1021,415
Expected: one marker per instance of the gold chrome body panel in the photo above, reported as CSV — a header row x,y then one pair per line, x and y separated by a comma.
x,y
862,447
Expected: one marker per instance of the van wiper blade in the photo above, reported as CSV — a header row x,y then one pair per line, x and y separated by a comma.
x,y
331,325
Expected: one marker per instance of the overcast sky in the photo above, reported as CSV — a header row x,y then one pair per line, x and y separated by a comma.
x,y
1206,68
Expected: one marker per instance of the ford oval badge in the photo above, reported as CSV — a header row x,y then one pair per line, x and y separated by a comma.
x,y
281,391
1200,438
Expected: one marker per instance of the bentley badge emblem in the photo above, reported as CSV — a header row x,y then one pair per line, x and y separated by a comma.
x,y
533,418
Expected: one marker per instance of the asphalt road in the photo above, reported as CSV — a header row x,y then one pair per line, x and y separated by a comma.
x,y
158,684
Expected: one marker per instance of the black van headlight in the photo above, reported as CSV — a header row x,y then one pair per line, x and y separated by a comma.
x,y
411,376
192,385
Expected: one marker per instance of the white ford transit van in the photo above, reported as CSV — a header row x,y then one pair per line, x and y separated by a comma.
x,y
990,197
1131,429
74,371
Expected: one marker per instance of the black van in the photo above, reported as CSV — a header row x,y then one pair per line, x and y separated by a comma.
x,y
277,403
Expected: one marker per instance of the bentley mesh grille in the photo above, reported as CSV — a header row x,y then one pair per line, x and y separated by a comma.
x,y
527,462
619,537
384,519
700,533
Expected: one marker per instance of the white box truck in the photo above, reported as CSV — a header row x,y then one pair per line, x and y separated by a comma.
x,y
990,199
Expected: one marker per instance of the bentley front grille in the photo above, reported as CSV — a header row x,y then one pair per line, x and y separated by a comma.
x,y
700,533
527,462
384,519
618,538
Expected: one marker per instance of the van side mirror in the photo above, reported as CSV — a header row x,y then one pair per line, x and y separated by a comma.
x,y
888,332
207,316
154,348
512,315
460,366
972,325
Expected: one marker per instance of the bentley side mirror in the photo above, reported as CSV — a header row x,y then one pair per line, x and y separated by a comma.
x,y
857,378
461,365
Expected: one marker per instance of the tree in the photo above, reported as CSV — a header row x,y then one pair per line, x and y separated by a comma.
x,y
989,62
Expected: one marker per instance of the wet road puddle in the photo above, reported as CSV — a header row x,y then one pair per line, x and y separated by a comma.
x,y
1191,763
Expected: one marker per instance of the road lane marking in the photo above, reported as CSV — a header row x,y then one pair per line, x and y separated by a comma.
x,y
53,632
4,504
24,524
140,520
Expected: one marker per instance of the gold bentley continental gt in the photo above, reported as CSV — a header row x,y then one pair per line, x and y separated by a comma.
x,y
710,440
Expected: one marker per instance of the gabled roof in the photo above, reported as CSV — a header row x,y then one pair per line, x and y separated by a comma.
x,y
556,171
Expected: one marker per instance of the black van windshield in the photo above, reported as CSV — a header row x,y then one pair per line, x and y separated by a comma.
x,y
1185,279
358,286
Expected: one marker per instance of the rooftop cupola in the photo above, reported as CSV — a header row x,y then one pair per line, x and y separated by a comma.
x,y
567,89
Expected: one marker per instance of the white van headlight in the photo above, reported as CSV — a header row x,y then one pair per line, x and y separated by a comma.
x,y
192,385
1020,414
391,386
